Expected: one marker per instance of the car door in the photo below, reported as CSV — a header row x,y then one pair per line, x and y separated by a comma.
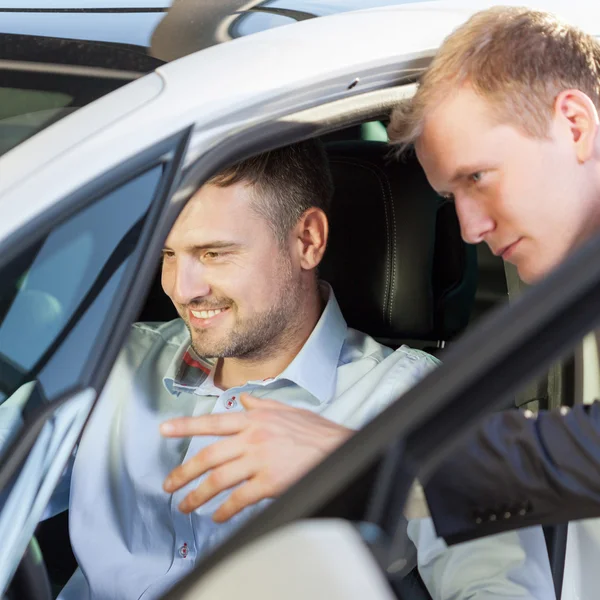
x,y
70,280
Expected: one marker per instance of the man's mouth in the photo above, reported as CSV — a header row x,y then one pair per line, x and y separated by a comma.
x,y
206,314
207,317
506,252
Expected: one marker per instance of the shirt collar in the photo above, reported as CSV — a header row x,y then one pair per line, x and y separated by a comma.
x,y
187,370
314,368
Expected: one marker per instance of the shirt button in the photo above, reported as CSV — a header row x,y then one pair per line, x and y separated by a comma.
x,y
184,551
231,403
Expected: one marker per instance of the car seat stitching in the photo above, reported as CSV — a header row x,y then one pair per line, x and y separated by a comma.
x,y
389,245
393,253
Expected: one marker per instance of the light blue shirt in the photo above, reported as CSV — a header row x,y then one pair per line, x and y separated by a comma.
x,y
129,538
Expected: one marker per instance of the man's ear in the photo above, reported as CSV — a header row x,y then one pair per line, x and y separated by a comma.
x,y
311,233
581,117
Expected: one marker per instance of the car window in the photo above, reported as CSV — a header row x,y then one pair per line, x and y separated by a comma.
x,y
31,101
56,298
23,112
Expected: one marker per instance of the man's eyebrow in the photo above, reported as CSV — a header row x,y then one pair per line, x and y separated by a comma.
x,y
214,245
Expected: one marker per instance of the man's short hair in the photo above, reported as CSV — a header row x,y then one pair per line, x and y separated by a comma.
x,y
286,182
517,59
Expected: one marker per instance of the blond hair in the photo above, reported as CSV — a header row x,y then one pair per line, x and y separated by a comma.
x,y
519,60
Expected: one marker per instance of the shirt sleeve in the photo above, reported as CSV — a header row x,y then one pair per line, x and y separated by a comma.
x,y
59,501
509,566
407,366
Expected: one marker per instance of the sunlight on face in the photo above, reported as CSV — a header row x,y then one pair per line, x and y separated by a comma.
x,y
232,283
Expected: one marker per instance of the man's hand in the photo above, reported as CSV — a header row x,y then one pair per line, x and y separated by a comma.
x,y
269,447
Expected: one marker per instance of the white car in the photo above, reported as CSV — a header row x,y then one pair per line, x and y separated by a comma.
x,y
106,131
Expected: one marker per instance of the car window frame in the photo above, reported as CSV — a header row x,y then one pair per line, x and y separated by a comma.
x,y
136,278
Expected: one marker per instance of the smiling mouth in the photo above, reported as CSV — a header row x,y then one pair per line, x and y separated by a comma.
x,y
207,314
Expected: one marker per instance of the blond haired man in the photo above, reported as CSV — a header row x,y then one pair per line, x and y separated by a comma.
x,y
505,123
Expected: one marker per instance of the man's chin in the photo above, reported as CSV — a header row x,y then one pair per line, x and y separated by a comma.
x,y
208,348
532,273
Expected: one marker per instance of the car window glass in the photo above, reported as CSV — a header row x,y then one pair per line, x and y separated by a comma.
x,y
56,297
30,102
23,112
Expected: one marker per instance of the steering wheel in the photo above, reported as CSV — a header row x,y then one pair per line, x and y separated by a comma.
x,y
31,581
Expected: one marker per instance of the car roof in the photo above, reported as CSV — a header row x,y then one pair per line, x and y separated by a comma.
x,y
164,30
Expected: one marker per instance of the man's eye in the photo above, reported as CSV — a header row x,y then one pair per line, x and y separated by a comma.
x,y
166,254
476,177
211,255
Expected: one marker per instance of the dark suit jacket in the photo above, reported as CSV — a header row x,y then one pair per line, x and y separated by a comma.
x,y
517,470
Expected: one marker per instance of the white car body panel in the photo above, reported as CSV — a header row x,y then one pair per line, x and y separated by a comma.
x,y
320,560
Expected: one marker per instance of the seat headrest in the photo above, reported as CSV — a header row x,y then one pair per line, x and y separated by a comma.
x,y
395,258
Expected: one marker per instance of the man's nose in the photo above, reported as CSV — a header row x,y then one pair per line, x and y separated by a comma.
x,y
474,221
190,282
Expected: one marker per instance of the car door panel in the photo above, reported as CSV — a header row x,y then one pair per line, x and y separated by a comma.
x,y
68,298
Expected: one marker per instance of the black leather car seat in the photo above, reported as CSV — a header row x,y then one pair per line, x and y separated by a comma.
x,y
395,258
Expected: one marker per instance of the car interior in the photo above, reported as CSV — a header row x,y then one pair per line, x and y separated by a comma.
x,y
414,281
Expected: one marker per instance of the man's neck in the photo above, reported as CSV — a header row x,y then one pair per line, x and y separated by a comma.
x,y
234,372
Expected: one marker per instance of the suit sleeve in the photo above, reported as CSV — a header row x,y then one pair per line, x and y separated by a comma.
x,y
517,470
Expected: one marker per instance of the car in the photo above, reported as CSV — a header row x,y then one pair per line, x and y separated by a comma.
x,y
106,129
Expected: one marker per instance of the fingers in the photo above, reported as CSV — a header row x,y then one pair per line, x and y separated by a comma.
x,y
220,479
250,493
208,458
229,461
217,424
